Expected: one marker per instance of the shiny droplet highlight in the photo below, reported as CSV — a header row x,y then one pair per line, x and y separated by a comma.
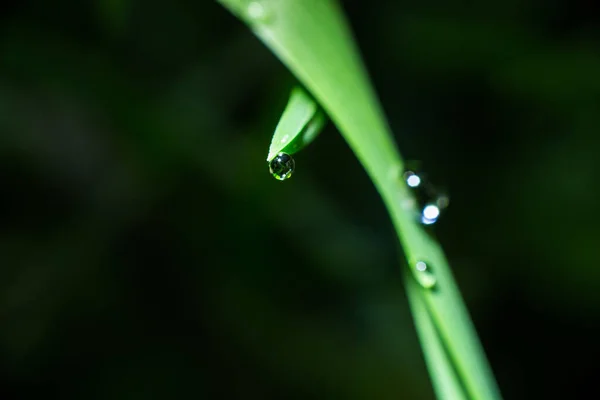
x,y
412,180
424,275
428,204
282,166
430,214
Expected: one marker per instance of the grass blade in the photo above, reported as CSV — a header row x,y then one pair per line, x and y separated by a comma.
x,y
301,122
446,382
311,37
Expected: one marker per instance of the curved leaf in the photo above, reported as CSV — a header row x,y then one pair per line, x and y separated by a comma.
x,y
300,123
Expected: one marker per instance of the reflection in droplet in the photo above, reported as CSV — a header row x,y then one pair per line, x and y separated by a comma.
x,y
424,275
427,221
442,201
412,180
282,166
429,203
430,214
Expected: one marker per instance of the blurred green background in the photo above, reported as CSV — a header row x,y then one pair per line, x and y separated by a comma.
x,y
146,253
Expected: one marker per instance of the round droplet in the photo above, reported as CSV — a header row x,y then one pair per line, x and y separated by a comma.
x,y
412,180
428,203
282,166
257,11
424,275
430,214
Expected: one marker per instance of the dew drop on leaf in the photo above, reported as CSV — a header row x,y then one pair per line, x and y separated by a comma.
x,y
412,179
430,214
282,166
258,12
428,202
424,275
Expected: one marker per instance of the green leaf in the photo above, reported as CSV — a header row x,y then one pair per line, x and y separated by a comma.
x,y
446,382
301,122
312,39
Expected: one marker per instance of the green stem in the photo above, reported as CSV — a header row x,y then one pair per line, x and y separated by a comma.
x,y
311,37
446,383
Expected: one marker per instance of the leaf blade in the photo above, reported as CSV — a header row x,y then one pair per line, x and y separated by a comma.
x,y
299,125
305,33
446,382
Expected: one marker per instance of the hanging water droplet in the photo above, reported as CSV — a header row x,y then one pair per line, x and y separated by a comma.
x,y
257,11
282,166
424,275
428,203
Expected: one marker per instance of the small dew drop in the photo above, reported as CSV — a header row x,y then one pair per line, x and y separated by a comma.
x,y
285,138
431,212
429,203
413,180
409,204
424,275
282,166
257,12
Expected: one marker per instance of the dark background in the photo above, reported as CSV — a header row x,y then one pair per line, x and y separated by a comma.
x,y
146,253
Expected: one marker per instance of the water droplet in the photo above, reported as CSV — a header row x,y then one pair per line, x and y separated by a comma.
x,y
257,12
428,203
412,180
424,275
430,214
285,138
282,166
